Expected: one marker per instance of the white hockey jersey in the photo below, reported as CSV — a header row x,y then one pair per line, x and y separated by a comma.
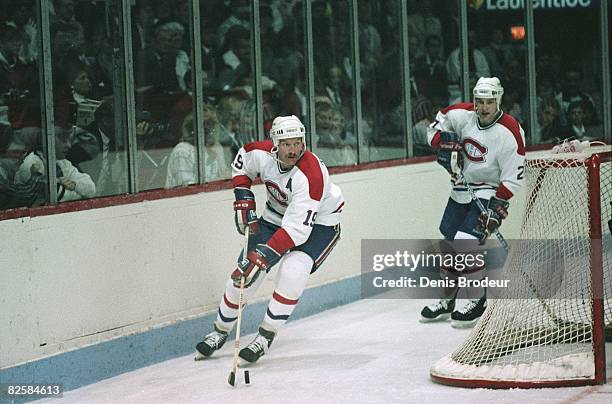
x,y
296,199
494,156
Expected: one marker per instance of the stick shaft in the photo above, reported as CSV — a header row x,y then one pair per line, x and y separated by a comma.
x,y
482,208
237,341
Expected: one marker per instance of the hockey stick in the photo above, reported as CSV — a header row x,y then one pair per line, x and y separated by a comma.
x,y
232,376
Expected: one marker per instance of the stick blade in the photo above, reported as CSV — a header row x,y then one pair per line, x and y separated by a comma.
x,y
232,378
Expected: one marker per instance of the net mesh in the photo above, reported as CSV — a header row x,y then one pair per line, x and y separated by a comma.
x,y
541,326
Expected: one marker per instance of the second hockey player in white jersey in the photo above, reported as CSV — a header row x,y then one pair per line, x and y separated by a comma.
x,y
488,146
299,227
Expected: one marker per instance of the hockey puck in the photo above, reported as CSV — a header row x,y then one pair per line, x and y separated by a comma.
x,y
247,377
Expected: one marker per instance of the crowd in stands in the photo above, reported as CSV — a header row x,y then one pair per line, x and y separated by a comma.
x,y
92,154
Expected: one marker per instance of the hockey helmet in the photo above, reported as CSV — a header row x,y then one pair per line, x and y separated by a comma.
x,y
489,87
287,127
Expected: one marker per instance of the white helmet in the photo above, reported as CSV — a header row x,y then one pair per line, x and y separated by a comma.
x,y
489,87
287,127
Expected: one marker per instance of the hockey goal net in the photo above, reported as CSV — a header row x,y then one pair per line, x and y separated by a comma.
x,y
534,335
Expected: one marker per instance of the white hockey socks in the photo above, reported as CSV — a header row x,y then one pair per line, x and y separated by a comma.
x,y
293,273
228,307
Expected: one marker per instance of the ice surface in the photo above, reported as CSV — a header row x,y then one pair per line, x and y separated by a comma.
x,y
370,351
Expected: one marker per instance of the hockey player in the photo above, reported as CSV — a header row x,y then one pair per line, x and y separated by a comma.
x,y
298,229
488,146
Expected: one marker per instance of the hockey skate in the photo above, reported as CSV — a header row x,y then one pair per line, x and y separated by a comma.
x,y
438,311
468,316
211,343
258,347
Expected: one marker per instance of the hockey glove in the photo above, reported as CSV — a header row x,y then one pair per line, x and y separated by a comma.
x,y
497,210
244,210
262,258
449,152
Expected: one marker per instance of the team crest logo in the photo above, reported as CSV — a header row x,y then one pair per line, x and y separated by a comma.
x,y
277,193
474,151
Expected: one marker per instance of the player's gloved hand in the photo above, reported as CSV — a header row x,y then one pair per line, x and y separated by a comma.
x,y
262,258
497,210
244,211
449,152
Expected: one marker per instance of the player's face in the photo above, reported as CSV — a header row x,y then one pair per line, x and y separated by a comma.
x,y
290,151
486,108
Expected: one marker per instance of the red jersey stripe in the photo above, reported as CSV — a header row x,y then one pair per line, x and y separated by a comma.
x,y
503,192
282,299
265,145
435,141
242,181
229,304
513,126
469,106
309,165
281,241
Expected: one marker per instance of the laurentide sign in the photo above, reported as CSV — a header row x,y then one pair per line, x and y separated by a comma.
x,y
502,5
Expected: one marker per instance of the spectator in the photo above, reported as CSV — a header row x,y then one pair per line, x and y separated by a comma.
x,y
67,43
545,88
571,92
270,44
240,16
101,72
282,13
92,148
72,184
515,76
294,101
64,12
388,80
16,195
498,53
430,71
211,62
20,16
78,78
370,43
289,63
511,104
550,120
332,134
333,89
422,23
575,127
183,17
182,164
231,113
321,136
18,79
236,59
163,65
143,19
216,164
388,24
477,63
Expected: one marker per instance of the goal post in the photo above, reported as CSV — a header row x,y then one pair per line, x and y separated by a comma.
x,y
533,335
